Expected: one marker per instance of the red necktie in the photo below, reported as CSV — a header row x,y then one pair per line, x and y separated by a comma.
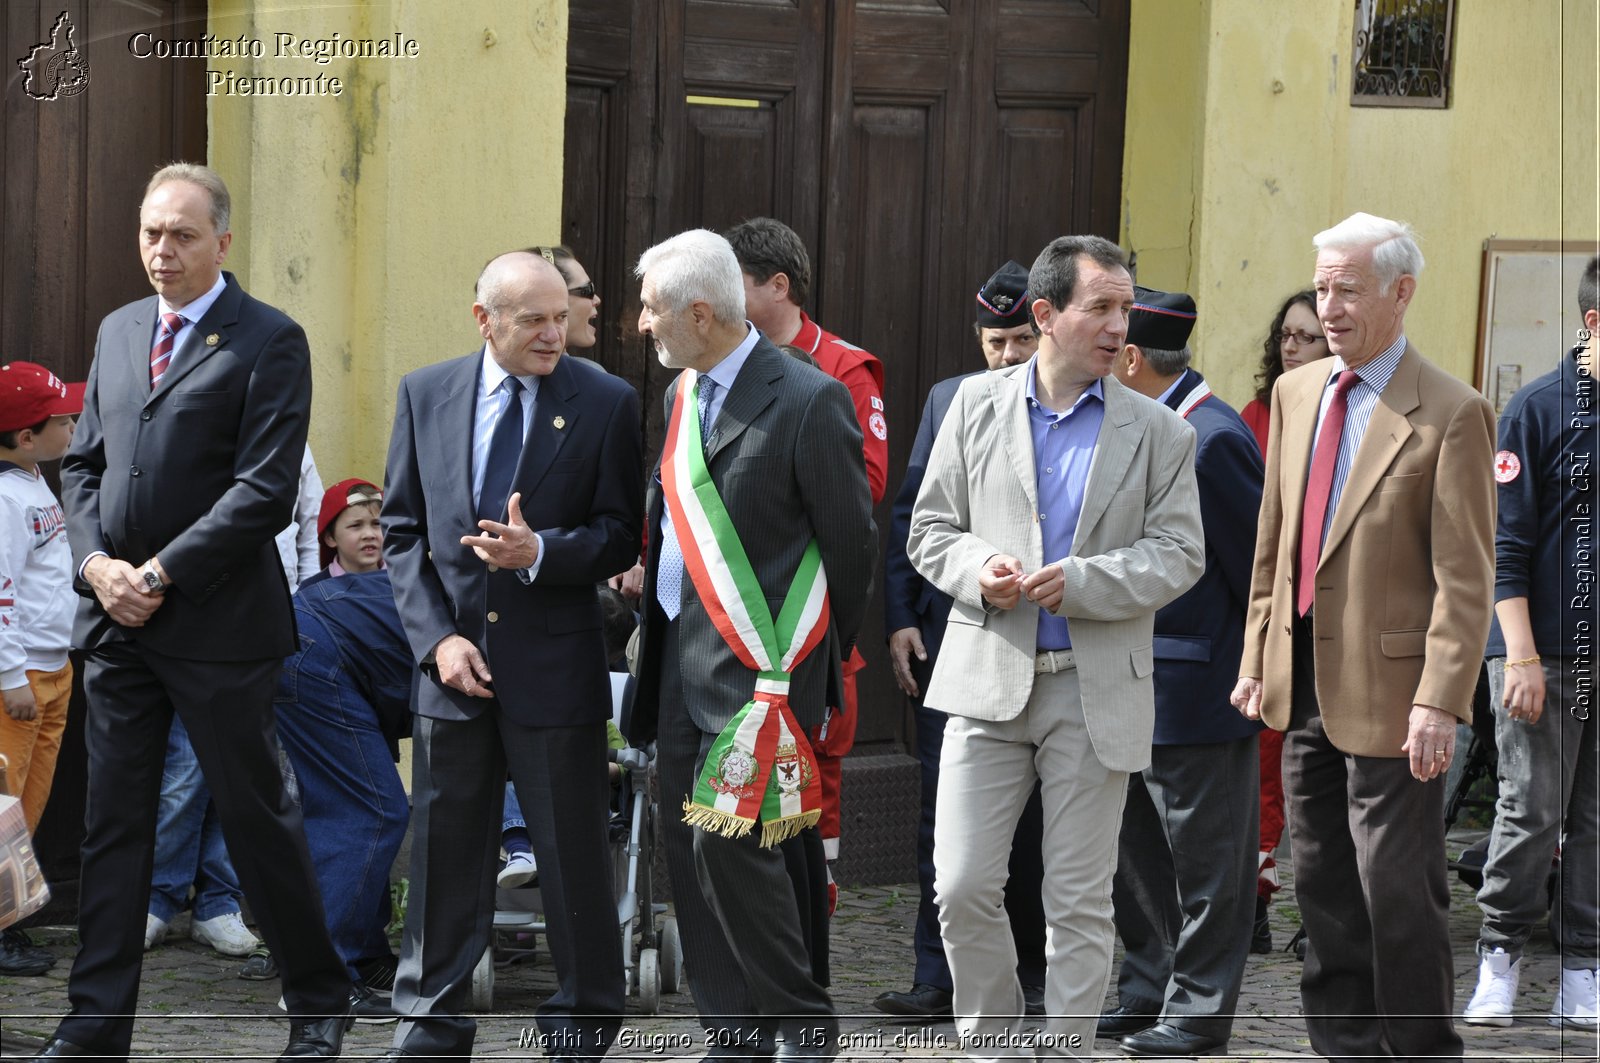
x,y
1313,514
161,353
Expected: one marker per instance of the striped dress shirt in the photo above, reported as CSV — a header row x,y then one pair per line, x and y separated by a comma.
x,y
1359,404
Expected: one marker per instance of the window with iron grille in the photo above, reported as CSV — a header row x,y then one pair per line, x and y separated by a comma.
x,y
1402,53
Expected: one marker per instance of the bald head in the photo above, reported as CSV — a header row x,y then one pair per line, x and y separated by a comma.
x,y
521,307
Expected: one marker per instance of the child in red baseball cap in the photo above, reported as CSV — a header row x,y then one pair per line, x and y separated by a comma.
x,y
37,415
348,529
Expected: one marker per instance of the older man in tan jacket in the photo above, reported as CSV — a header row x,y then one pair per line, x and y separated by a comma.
x,y
1369,610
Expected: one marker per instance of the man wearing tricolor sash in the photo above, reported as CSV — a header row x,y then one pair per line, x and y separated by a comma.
x,y
761,556
1059,511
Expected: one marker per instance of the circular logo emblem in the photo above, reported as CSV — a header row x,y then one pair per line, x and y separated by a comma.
x,y
1506,467
878,425
738,768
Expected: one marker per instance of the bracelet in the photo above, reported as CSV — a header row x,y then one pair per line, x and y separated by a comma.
x,y
1526,660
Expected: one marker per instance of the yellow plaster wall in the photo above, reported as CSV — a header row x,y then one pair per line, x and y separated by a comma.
x,y
367,216
1282,154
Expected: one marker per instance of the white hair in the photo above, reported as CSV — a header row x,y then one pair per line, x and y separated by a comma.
x,y
697,265
1395,253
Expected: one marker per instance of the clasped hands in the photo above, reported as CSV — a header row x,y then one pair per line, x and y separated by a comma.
x,y
121,590
1003,584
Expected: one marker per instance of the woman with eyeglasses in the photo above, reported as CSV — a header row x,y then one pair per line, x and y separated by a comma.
x,y
1294,339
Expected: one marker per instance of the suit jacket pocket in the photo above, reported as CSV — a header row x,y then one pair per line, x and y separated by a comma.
x,y
1183,648
1410,643
199,400
1406,481
566,465
1143,661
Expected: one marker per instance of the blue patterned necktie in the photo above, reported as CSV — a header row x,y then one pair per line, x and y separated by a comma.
x,y
670,572
505,448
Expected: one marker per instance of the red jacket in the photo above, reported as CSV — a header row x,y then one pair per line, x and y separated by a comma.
x,y
862,373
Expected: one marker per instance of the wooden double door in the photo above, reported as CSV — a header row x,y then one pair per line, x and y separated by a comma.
x,y
915,145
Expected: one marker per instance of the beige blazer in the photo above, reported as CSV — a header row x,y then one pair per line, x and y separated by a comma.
x,y
1405,585
1138,546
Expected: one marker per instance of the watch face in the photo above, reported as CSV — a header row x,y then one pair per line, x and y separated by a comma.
x,y
152,581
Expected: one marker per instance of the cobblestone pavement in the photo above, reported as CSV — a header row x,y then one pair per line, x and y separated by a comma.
x,y
192,1007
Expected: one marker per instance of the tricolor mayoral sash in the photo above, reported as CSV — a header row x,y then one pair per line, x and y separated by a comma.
x,y
760,768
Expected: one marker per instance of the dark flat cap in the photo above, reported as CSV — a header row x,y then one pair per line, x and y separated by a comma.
x,y
1003,299
1160,320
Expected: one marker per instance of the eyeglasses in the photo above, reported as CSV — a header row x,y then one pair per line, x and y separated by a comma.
x,y
585,291
1301,339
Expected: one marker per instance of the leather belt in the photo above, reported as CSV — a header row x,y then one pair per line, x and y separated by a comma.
x,y
1049,662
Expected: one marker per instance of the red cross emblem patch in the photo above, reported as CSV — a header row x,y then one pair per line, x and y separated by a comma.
x,y
1506,467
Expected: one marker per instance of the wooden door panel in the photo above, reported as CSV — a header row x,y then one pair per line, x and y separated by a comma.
x,y
734,166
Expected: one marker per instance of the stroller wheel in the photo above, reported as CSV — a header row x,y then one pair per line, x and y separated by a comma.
x,y
649,982
483,982
671,956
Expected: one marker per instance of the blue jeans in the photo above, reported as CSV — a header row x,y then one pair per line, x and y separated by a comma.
x,y
354,806
512,818
189,846
1548,783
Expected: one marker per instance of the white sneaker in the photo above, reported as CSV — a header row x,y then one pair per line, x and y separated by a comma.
x,y
518,872
1497,989
226,933
155,931
1577,1002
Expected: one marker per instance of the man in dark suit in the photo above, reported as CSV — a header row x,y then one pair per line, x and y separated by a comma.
x,y
782,452
1369,610
185,464
514,483
1184,892
915,612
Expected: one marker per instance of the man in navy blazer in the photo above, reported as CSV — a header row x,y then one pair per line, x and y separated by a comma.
x,y
184,466
1184,892
515,483
915,612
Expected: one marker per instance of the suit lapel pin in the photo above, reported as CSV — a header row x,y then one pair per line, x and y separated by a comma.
x,y
213,339
560,423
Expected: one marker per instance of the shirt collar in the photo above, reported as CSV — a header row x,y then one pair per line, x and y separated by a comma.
x,y
1376,373
493,375
726,371
195,310
1096,390
1172,387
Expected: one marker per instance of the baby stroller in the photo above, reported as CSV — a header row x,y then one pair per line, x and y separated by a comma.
x,y
657,966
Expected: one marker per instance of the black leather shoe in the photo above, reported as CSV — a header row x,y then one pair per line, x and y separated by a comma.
x,y
1261,934
394,1053
1166,1041
1120,1021
56,1048
317,1038
922,1002
1033,1001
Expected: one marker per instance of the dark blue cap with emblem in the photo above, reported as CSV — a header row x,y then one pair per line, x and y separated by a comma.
x,y
1003,299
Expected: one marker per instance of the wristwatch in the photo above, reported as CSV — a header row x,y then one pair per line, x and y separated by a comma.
x,y
152,582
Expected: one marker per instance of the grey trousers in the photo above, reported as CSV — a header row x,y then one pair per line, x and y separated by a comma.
x,y
986,775
1185,888
1549,783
